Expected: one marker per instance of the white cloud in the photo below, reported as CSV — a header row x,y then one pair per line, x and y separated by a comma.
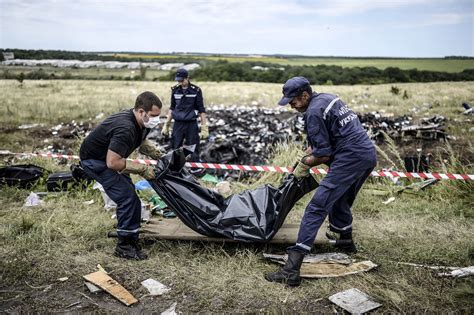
x,y
439,19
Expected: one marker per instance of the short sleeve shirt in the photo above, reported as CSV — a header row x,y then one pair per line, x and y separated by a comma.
x,y
119,132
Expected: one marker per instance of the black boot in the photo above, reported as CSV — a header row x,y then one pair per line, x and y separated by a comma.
x,y
290,273
128,248
342,241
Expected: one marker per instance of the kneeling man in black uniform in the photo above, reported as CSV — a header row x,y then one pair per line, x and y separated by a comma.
x,y
104,154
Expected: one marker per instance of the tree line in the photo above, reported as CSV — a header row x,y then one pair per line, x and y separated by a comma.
x,y
321,74
223,70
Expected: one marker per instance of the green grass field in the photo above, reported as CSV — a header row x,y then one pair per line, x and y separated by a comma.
x,y
66,238
432,64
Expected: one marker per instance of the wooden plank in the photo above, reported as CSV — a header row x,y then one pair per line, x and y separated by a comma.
x,y
105,282
174,229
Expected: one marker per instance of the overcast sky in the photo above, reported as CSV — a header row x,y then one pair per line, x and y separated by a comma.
x,y
403,28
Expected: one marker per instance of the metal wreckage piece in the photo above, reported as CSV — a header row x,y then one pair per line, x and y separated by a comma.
x,y
246,135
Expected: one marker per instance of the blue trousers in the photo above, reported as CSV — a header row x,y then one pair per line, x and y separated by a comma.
x,y
334,197
187,133
120,188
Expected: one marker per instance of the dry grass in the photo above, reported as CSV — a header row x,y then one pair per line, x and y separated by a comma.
x,y
58,101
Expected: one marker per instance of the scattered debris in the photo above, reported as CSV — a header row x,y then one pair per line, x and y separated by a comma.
x,y
354,301
29,126
389,200
63,279
33,200
73,304
87,297
89,202
145,211
170,310
102,280
459,273
100,268
327,265
142,185
426,266
109,204
223,188
92,288
155,287
455,272
210,179
413,188
468,109
157,203
417,186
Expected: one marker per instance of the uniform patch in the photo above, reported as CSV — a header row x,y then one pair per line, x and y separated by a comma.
x,y
348,119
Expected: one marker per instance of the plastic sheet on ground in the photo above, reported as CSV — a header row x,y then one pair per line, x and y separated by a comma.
x,y
109,204
250,216
32,200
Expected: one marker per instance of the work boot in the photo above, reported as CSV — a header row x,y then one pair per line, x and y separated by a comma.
x,y
290,273
342,241
128,248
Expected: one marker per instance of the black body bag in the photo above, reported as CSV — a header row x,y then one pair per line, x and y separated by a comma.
x,y
250,216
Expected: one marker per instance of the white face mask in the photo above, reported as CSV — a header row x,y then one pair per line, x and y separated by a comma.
x,y
152,122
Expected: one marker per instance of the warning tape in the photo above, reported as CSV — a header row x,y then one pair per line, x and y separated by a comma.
x,y
263,168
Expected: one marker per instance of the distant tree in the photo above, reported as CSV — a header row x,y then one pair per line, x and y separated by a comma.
x,y
20,78
143,70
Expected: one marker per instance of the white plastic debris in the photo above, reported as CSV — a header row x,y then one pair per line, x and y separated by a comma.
x,y
389,200
459,273
88,203
63,279
109,204
155,287
170,310
33,200
223,188
146,211
354,301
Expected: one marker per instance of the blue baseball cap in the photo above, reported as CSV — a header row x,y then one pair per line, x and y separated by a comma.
x,y
293,88
181,74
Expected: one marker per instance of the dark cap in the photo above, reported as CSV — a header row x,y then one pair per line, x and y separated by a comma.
x,y
181,74
293,88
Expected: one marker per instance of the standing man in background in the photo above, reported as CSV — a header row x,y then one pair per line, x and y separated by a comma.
x,y
337,139
104,154
186,104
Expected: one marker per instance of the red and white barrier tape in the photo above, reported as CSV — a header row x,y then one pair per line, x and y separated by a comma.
x,y
263,168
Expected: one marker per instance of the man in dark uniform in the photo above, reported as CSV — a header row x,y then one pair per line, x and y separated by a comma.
x,y
186,104
104,154
337,139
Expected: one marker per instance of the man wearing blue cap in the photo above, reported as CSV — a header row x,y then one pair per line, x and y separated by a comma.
x,y
186,104
337,139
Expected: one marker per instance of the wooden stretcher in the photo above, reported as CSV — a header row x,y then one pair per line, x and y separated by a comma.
x,y
174,229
